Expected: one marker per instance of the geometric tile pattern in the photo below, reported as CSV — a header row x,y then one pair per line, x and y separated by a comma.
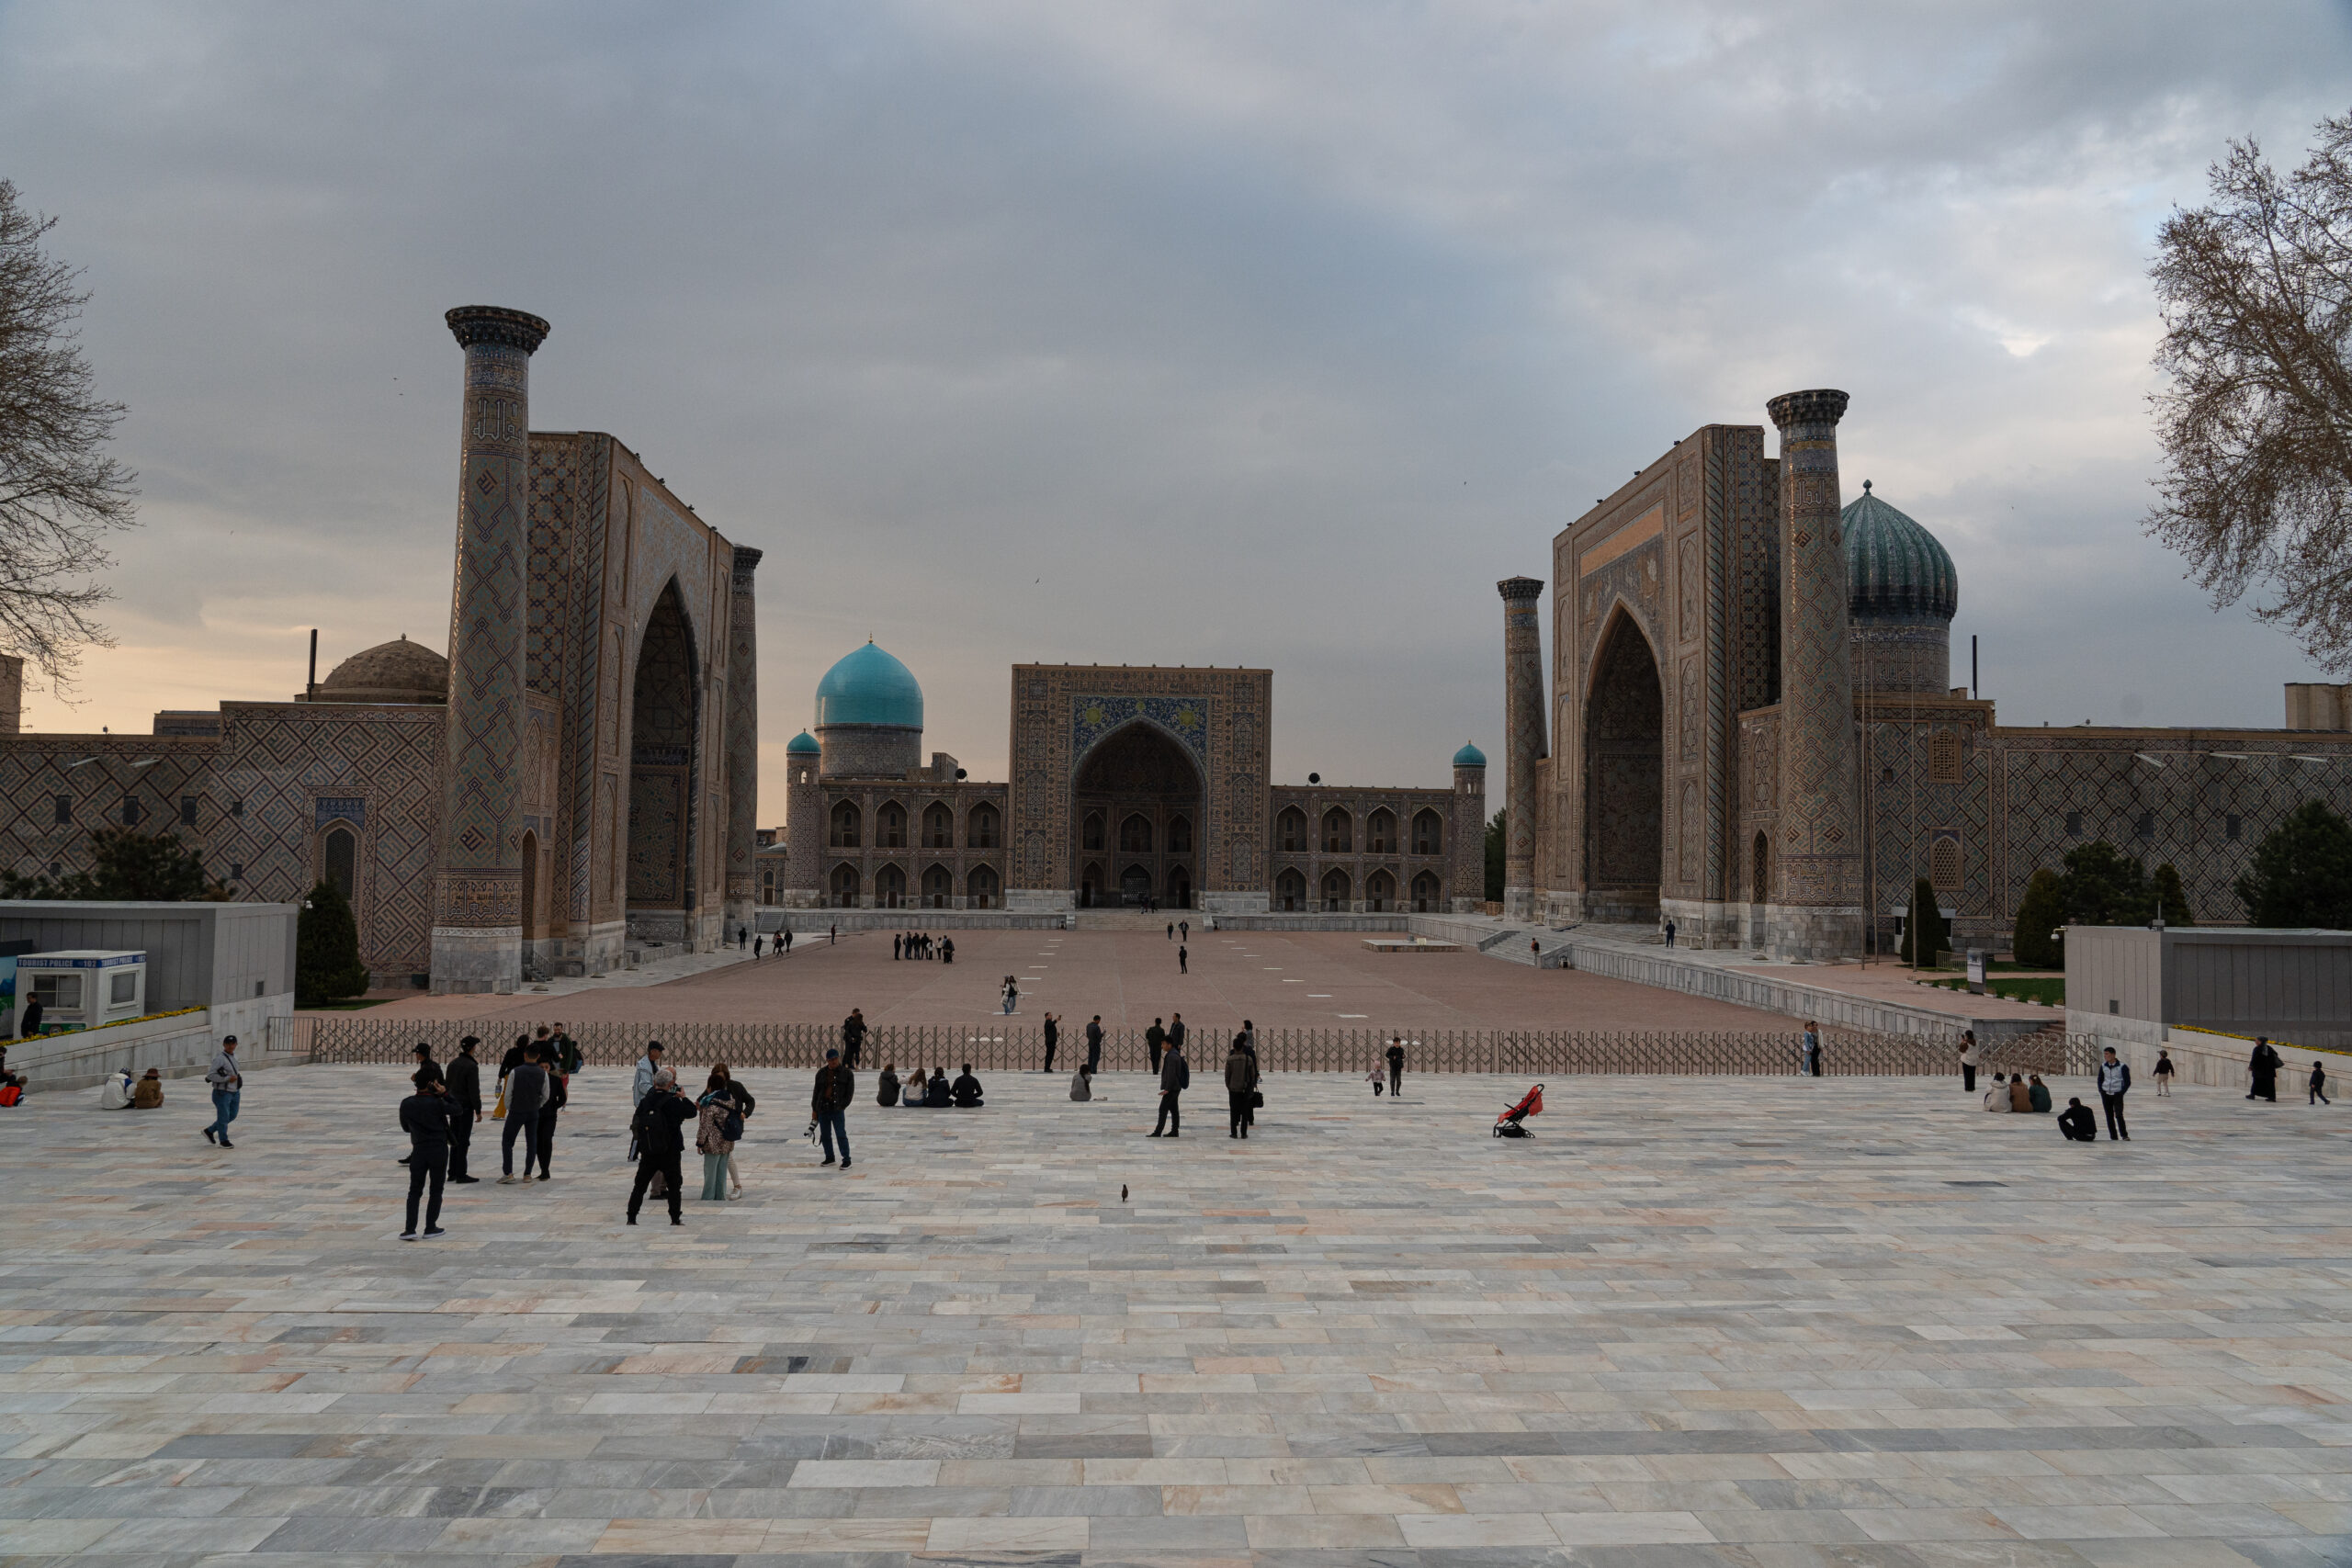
x,y
1758,1322
1818,845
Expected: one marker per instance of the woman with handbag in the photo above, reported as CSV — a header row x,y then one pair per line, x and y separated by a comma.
x,y
716,1113
1241,1088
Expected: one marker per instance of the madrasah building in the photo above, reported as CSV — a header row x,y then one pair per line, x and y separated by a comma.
x,y
1745,724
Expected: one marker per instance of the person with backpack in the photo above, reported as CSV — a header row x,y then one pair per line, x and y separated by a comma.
x,y
1240,1089
569,1059
836,1086
656,1129
720,1123
1175,1077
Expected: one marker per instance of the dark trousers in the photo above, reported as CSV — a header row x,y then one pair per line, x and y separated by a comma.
x,y
1968,1076
1152,1052
664,1165
850,1052
1236,1113
1171,1115
1052,1044
2319,1097
1396,1079
2114,1105
526,1127
1094,1056
543,1144
831,1124
426,1162
461,1137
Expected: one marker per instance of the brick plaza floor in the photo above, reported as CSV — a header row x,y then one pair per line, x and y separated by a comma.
x,y
1280,979
1763,1323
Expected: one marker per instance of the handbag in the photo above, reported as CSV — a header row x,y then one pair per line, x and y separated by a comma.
x,y
732,1128
498,1113
1256,1100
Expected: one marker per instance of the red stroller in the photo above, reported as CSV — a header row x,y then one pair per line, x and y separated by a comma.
x,y
1512,1123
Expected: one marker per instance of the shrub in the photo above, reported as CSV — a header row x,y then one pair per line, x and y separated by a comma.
x,y
326,949
2301,873
2040,912
2172,899
2104,887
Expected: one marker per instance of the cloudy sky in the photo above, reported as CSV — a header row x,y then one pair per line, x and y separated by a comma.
x,y
1190,332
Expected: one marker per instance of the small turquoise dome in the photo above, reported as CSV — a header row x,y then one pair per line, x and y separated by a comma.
x,y
803,745
1895,568
1469,757
869,686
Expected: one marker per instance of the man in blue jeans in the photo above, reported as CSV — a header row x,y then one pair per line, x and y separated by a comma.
x,y
836,1086
227,1087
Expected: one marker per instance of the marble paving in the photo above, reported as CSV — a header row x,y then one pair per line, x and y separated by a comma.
x,y
1763,1323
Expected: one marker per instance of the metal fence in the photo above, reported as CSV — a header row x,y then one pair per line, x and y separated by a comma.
x,y
1013,1045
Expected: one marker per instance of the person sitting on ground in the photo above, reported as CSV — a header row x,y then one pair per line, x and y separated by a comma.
x,y
148,1094
2037,1093
967,1088
914,1090
1081,1083
1996,1094
936,1095
2020,1097
114,1094
2077,1124
886,1091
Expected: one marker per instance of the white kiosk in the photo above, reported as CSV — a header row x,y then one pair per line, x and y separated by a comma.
x,y
82,987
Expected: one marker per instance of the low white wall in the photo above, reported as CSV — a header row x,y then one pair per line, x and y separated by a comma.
x,y
1772,994
181,1044
2215,1061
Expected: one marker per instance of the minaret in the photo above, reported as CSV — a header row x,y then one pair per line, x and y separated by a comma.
x,y
478,886
742,743
1816,910
1466,888
1522,741
804,824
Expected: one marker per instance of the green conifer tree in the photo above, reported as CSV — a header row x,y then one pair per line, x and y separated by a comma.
x,y
1925,933
2040,913
2301,873
326,949
2172,899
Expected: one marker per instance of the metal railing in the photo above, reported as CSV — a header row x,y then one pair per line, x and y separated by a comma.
x,y
1013,1045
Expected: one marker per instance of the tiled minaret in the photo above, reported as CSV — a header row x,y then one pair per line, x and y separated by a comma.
x,y
1522,741
478,894
743,741
1469,859
1817,896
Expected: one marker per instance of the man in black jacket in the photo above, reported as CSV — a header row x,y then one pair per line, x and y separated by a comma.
x,y
421,1061
1175,1077
558,1095
967,1089
527,1091
2075,1124
853,1037
836,1086
425,1117
464,1085
1094,1044
659,1143
1052,1039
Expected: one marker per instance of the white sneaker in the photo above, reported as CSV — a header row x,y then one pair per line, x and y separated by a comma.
x,y
408,1235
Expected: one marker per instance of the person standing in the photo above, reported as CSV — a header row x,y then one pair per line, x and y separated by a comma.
x,y
948,950
745,1103
853,1037
1240,1085
1669,934
647,1067
759,940
2265,1067
716,1112
1395,1066
425,1117
1184,959
897,943
836,1086
28,1019
788,940
558,1095
832,933
1812,1048
659,1143
2114,1079
1184,930
1968,1061
1174,1079
568,1058
1012,995
420,1061
1153,1039
2163,1075
462,1084
527,1091
1052,1038
228,1086
2319,1084
1175,1031
1094,1044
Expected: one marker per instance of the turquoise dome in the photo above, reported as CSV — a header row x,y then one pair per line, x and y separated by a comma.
x,y
869,686
803,745
1469,757
1895,568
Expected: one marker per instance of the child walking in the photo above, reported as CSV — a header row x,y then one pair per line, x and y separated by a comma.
x,y
2319,1085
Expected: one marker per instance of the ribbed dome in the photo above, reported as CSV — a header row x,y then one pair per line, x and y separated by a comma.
x,y
803,745
396,672
1894,568
869,686
1469,757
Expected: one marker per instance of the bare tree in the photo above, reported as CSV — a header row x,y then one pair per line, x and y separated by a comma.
x,y
2256,421
60,493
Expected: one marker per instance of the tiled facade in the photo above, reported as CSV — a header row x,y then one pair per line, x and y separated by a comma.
x,y
1710,764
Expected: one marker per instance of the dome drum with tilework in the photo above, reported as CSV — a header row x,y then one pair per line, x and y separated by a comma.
x,y
869,716
395,671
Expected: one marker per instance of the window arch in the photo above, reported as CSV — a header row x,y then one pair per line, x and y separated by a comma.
x,y
1090,886
1338,891
339,859
890,827
1091,835
1135,835
1429,833
981,828
889,889
1180,835
1427,897
1339,831
1290,892
981,888
1380,832
1379,892
844,886
1290,831
938,827
847,823
938,889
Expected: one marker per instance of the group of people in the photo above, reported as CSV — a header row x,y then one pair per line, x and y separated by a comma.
x,y
922,944
932,1092
758,940
2265,1065
123,1092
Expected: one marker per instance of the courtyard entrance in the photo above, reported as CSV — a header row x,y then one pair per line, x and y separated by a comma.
x,y
1624,777
665,720
1135,808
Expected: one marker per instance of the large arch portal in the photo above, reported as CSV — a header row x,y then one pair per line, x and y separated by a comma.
x,y
664,774
1146,784
1624,777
